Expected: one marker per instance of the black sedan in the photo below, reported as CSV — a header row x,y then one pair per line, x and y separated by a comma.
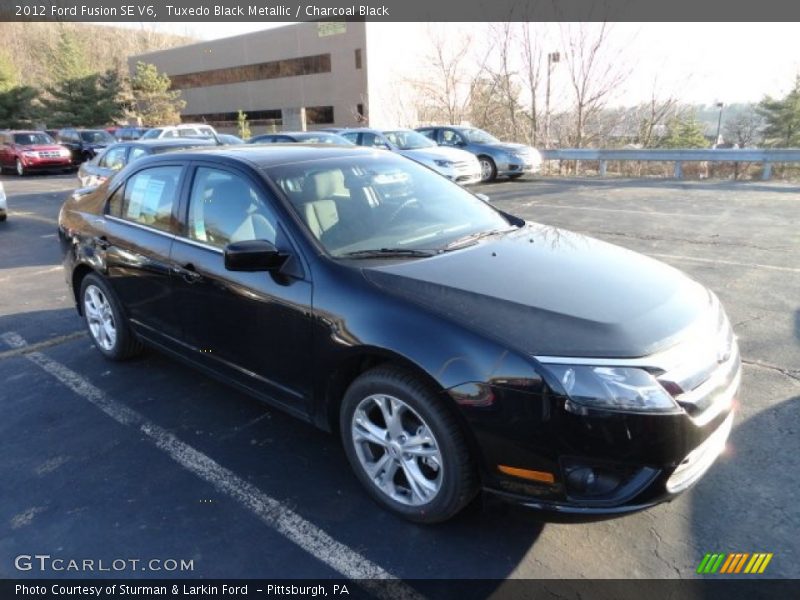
x,y
452,346
116,156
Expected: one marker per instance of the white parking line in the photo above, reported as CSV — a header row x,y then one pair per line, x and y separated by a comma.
x,y
725,262
270,511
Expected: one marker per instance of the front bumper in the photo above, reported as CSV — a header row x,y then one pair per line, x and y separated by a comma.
x,y
520,165
464,175
46,164
595,462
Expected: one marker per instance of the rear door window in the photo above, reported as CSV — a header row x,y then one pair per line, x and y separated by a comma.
x,y
149,198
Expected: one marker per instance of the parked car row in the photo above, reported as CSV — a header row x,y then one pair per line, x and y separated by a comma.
x,y
465,155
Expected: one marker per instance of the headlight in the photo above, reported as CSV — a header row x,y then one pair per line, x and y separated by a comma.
x,y
30,154
64,152
613,388
444,163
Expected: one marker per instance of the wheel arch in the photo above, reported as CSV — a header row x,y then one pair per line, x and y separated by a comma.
x,y
366,358
79,273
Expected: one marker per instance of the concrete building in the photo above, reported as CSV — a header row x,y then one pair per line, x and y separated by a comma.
x,y
305,75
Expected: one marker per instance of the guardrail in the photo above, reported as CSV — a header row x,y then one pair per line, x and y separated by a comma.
x,y
766,157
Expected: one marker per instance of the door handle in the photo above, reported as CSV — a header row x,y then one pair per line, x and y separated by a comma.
x,y
188,273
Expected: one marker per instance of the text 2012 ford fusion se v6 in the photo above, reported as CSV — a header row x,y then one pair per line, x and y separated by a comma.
x,y
453,347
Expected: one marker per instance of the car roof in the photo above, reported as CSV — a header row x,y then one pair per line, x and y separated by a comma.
x,y
25,131
171,142
265,156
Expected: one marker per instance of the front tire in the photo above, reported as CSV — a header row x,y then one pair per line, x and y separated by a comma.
x,y
488,169
107,325
20,168
406,447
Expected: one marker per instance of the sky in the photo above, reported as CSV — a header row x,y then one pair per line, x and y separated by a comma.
x,y
701,63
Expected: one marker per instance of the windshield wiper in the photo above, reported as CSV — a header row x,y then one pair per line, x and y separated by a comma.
x,y
473,238
386,253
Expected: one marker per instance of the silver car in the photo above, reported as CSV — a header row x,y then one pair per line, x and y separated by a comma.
x,y
457,165
498,159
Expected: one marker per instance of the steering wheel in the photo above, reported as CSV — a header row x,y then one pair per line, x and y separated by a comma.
x,y
401,208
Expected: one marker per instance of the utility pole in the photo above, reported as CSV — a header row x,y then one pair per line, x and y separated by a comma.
x,y
717,141
552,57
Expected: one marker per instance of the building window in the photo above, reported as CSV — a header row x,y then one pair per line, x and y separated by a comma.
x,y
319,115
290,67
358,58
360,118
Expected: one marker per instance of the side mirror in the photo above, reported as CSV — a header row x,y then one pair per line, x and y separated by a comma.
x,y
483,197
253,255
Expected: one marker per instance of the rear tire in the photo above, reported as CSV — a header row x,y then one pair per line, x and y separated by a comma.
x,y
108,327
406,447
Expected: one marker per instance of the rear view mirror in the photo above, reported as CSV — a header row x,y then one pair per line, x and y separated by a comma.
x,y
253,255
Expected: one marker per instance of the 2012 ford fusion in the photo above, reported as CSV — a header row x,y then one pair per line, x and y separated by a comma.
x,y
453,347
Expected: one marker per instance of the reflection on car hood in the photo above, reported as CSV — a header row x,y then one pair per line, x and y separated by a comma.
x,y
438,153
552,292
502,146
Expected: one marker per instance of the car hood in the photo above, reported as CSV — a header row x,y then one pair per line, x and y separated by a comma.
x,y
41,148
438,153
546,291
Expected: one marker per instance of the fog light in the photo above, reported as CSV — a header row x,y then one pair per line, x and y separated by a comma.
x,y
588,481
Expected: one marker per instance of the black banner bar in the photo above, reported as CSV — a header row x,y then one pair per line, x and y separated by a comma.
x,y
399,10
712,588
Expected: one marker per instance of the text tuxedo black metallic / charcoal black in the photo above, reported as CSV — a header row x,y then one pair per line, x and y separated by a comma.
x,y
453,347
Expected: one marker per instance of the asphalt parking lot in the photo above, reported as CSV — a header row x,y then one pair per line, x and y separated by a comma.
x,y
149,459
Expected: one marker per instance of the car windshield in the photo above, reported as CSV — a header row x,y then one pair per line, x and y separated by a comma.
x,y
382,204
479,136
97,137
322,138
151,134
408,140
32,139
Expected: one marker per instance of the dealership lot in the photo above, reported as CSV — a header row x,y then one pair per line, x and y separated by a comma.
x,y
151,460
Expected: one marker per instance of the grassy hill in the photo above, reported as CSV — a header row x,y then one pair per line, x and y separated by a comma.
x,y
30,47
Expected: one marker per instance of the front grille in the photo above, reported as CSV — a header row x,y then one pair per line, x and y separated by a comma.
x,y
49,154
707,383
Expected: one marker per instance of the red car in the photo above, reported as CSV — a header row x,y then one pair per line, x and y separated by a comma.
x,y
26,151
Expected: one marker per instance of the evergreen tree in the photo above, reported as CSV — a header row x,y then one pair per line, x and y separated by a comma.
x,y
782,118
683,131
156,103
17,106
70,60
83,101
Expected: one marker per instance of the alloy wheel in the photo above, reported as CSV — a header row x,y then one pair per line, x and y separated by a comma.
x,y
20,168
397,450
100,317
486,169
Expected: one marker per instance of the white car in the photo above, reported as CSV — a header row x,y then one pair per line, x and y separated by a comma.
x,y
3,203
457,165
178,131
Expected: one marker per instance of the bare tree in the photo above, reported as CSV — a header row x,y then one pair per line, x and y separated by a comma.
x,y
531,76
744,127
653,115
595,71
